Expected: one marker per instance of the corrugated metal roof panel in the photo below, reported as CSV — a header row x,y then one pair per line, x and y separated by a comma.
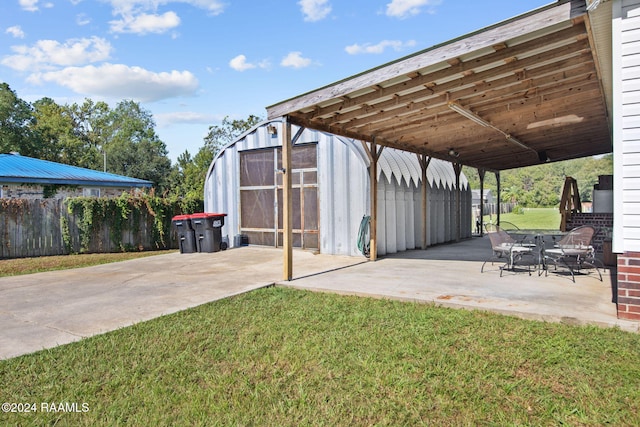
x,y
393,164
404,165
19,169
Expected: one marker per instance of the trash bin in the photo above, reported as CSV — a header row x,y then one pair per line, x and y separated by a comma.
x,y
186,234
208,231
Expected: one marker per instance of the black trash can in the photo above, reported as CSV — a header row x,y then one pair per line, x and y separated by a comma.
x,y
186,234
208,231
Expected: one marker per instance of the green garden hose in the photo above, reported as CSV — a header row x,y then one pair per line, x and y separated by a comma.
x,y
364,237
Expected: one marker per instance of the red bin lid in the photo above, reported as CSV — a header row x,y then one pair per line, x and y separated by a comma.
x,y
180,217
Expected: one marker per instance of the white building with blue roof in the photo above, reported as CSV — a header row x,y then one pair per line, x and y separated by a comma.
x,y
26,178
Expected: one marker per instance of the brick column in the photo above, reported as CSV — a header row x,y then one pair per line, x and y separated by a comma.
x,y
629,286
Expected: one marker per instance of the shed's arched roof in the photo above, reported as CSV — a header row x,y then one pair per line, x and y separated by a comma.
x,y
394,164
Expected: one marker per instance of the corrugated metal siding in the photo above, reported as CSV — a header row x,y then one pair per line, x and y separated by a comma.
x,y
344,194
626,58
343,183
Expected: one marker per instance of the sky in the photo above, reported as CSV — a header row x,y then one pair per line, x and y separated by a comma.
x,y
191,63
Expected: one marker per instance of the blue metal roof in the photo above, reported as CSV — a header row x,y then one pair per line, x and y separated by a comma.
x,y
15,168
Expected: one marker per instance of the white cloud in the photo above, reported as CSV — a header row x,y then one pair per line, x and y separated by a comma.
x,y
15,31
397,45
315,10
264,64
405,8
29,5
295,60
32,5
185,117
214,7
118,81
48,54
82,19
146,23
239,63
141,17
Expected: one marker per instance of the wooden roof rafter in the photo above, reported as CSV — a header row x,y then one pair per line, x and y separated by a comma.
x,y
563,36
328,113
497,91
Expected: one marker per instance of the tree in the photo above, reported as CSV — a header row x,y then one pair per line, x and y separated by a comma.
x,y
89,122
189,174
16,119
219,136
586,172
132,146
541,185
55,131
511,194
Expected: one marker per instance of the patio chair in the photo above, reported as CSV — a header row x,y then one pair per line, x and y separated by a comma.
x,y
505,225
506,249
509,226
574,251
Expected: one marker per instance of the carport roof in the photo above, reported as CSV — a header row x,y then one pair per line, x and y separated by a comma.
x,y
531,89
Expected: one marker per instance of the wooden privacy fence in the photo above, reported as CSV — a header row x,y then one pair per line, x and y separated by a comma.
x,y
31,228
44,227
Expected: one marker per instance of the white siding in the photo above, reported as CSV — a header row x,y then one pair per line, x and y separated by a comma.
x,y
626,125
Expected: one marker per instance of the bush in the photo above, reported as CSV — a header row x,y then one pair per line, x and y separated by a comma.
x,y
518,210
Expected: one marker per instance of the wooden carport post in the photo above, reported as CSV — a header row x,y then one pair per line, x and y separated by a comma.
x,y
424,164
481,173
457,168
499,198
287,199
373,152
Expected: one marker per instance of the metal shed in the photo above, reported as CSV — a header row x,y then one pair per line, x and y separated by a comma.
x,y
331,193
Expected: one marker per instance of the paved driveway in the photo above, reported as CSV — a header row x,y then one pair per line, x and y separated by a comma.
x,y
47,309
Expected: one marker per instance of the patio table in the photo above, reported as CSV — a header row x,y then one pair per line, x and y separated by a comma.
x,y
540,239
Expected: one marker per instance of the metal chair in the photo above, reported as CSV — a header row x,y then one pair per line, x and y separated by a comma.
x,y
574,251
505,248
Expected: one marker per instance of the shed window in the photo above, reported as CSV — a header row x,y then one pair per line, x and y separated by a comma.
x,y
261,196
256,168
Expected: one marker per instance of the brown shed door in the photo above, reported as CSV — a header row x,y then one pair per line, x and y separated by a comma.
x,y
261,196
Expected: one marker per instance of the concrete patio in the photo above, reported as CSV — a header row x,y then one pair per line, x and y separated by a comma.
x,y
449,275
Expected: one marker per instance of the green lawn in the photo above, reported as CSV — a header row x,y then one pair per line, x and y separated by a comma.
x,y
14,267
531,219
283,357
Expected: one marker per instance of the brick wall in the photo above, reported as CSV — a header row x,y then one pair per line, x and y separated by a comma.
x,y
629,286
602,222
